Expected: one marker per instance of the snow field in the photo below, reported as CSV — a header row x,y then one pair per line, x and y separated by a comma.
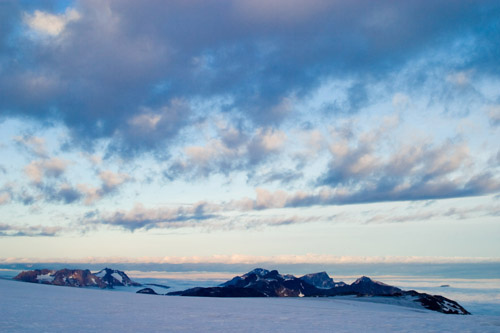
x,y
42,308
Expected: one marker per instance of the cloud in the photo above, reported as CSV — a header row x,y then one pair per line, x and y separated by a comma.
x,y
64,193
50,24
283,177
232,150
310,258
110,183
111,180
8,230
273,209
458,213
34,144
203,215
52,168
257,56
90,193
494,115
140,217
4,198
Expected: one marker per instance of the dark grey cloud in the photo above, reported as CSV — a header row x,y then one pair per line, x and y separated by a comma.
x,y
120,71
65,194
140,217
8,230
200,215
458,213
283,177
390,190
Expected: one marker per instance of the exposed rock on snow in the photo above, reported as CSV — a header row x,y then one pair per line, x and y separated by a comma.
x,y
114,277
261,282
147,291
320,280
62,277
366,286
106,278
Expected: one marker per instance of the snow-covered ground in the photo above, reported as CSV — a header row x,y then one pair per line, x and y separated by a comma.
x,y
42,308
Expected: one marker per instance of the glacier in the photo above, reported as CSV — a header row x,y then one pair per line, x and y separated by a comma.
x,y
26,307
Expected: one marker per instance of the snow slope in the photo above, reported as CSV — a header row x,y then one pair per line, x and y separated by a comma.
x,y
43,308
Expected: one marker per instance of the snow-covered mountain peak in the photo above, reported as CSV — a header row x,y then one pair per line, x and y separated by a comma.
x,y
367,280
114,277
260,272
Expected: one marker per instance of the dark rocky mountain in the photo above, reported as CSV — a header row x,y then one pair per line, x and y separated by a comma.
x,y
219,292
436,303
264,283
147,291
106,278
36,276
62,277
114,277
320,280
271,284
364,286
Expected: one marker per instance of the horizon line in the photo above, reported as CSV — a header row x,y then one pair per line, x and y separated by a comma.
x,y
253,260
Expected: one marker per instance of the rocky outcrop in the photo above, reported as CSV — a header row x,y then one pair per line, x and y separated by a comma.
x,y
271,284
36,276
106,278
147,291
264,283
364,286
320,280
62,277
437,303
219,292
113,278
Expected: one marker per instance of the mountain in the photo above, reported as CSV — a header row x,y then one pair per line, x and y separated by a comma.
x,y
271,284
320,280
114,277
106,278
147,291
264,283
436,303
62,277
366,286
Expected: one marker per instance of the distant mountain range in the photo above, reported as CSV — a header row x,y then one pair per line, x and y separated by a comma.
x,y
264,283
256,283
106,278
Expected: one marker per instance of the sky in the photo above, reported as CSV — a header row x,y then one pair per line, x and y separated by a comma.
x,y
246,130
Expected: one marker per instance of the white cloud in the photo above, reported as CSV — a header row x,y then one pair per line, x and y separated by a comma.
x,y
231,150
145,122
33,143
4,198
50,24
92,194
270,140
53,167
112,180
461,78
400,101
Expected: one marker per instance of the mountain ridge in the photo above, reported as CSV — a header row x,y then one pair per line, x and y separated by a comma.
x,y
105,278
265,283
